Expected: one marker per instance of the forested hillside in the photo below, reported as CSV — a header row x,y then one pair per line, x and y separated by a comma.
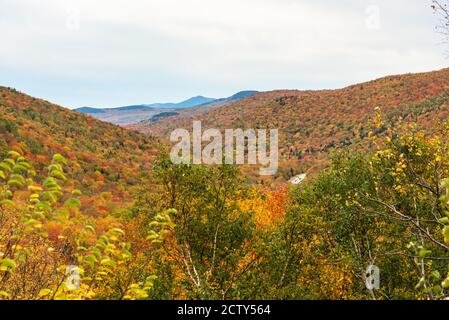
x,y
314,123
106,160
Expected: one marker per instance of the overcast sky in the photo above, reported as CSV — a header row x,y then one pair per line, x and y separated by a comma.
x,y
119,52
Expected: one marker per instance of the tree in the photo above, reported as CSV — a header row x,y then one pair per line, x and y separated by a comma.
x,y
42,233
212,237
441,8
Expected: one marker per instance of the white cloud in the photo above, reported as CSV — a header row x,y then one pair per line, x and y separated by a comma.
x,y
140,51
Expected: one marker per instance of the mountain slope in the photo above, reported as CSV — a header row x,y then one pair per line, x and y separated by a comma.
x,y
88,110
105,160
313,123
238,96
192,102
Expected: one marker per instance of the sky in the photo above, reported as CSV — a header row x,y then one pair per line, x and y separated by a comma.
x,y
107,53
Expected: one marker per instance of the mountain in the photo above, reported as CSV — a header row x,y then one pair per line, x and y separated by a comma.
x,y
238,96
89,110
136,113
105,160
314,123
163,115
192,102
129,108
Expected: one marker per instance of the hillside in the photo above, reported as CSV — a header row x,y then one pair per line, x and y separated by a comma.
x,y
235,97
106,160
313,123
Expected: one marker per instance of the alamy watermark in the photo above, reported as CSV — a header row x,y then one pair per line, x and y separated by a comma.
x,y
73,19
238,146
72,281
372,21
372,278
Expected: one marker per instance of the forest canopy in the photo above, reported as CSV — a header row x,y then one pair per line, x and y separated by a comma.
x,y
201,232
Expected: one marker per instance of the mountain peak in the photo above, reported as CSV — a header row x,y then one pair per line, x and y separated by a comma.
x,y
194,101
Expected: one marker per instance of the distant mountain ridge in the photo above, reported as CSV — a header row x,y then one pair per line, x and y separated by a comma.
x,y
136,113
236,97
89,110
195,101
192,102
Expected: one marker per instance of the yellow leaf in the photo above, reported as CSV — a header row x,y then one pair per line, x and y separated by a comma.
x,y
44,292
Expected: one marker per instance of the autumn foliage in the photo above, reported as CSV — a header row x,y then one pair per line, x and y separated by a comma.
x,y
89,210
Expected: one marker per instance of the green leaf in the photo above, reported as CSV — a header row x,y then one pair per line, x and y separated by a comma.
x,y
437,289
91,260
436,275
38,215
7,202
172,211
118,231
33,222
58,175
7,265
73,203
423,253
18,177
18,168
90,228
5,167
108,262
10,162
44,206
55,167
14,154
58,158
15,183
62,212
50,196
50,183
